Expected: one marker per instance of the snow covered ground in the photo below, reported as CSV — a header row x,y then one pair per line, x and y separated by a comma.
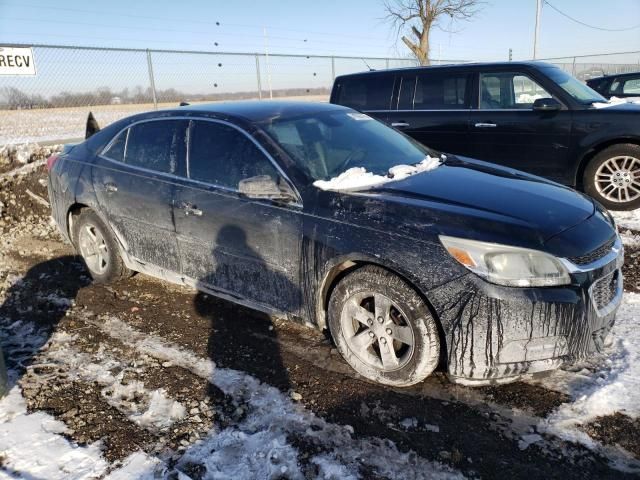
x,y
628,219
32,444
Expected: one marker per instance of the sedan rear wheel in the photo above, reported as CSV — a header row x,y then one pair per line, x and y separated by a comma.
x,y
383,328
95,243
613,177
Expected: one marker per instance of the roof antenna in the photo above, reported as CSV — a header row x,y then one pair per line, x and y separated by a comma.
x,y
365,62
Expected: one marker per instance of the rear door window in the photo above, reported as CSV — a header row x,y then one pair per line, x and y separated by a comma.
x,y
438,91
366,92
157,145
221,155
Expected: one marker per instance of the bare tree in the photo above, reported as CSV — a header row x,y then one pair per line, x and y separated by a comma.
x,y
419,16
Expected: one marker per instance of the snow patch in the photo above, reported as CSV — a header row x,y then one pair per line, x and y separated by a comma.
x,y
358,178
32,446
630,239
527,440
602,385
616,101
149,409
629,219
259,446
140,466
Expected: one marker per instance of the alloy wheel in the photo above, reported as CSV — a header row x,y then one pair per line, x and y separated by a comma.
x,y
377,331
618,179
93,249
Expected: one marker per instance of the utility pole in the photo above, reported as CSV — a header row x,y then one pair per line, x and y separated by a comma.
x,y
537,29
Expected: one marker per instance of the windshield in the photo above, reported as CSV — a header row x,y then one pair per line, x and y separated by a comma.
x,y
574,87
326,144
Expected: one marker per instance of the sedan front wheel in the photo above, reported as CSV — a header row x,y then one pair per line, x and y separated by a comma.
x,y
383,328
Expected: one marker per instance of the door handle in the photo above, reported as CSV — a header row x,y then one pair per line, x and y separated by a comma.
x,y
190,209
111,187
400,124
486,125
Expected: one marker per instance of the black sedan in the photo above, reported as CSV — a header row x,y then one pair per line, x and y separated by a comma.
x,y
412,259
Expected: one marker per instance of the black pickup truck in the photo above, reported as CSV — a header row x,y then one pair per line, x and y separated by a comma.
x,y
531,116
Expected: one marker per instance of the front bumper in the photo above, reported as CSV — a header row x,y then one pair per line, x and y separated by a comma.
x,y
497,334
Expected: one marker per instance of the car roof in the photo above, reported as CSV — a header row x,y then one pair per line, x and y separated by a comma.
x,y
260,110
459,66
617,75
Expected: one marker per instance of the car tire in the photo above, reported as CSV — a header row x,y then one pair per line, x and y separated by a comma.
x,y
407,333
612,177
97,246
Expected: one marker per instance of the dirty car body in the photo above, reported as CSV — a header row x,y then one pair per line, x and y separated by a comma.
x,y
284,252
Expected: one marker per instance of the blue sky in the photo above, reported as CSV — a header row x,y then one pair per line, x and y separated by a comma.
x,y
344,27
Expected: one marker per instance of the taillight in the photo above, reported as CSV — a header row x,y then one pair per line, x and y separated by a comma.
x,y
51,160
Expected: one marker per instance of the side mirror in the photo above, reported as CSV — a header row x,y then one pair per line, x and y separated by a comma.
x,y
264,187
546,105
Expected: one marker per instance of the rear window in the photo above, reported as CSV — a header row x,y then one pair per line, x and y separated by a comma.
x,y
441,92
366,92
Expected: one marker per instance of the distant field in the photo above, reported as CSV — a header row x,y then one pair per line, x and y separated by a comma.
x,y
58,124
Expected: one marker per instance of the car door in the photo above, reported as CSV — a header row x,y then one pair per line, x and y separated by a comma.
x,y
433,107
245,248
505,129
134,181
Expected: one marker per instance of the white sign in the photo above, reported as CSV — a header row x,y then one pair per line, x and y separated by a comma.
x,y
17,61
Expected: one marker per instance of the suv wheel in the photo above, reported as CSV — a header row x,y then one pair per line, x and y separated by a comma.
x,y
383,328
94,241
613,177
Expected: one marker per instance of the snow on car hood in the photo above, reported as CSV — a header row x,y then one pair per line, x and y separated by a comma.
x,y
616,101
358,178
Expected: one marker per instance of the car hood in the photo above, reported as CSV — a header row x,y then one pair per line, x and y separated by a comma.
x,y
621,106
467,195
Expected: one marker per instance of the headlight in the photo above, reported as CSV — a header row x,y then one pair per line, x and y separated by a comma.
x,y
506,265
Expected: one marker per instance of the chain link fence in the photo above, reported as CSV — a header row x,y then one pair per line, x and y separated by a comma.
x,y
116,82
584,67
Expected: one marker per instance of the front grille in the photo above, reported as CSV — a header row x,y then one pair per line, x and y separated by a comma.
x,y
604,290
594,255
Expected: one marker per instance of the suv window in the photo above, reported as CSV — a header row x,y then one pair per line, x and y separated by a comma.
x,y
157,145
631,86
221,155
441,92
366,92
509,91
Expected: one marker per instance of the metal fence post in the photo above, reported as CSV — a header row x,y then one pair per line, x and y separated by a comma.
x,y
386,63
573,67
4,378
151,80
333,68
258,77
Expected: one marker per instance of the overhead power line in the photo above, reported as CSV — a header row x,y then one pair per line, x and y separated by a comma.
x,y
595,27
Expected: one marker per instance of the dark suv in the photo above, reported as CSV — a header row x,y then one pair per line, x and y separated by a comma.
x,y
526,115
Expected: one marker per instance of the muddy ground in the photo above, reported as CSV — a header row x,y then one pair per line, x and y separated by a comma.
x,y
476,431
